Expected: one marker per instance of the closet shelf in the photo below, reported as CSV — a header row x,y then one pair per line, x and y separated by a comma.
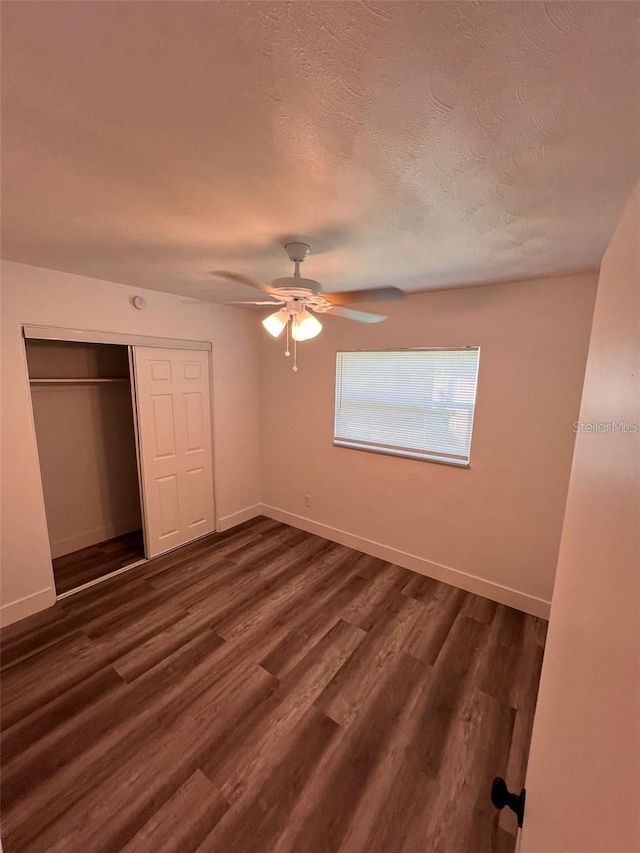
x,y
77,381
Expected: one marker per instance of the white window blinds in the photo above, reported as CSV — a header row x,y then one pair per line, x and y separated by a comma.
x,y
416,403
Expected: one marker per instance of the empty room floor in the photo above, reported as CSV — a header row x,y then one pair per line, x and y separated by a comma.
x,y
265,689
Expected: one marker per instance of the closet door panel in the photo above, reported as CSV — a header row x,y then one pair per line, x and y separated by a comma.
x,y
194,412
174,427
198,492
168,506
164,427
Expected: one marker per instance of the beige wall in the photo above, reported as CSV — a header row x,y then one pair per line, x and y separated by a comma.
x,y
42,297
493,529
583,781
87,454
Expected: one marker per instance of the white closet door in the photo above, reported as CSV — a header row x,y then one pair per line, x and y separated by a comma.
x,y
174,429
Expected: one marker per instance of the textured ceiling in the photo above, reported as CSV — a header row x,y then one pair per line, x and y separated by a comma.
x,y
416,144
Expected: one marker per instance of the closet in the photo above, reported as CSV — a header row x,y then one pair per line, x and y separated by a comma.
x,y
124,445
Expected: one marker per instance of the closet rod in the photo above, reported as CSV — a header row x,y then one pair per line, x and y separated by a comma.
x,y
76,381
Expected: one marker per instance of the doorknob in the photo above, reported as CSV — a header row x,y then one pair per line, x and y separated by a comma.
x,y
501,796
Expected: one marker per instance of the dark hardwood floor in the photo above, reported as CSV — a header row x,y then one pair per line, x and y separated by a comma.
x,y
74,570
266,690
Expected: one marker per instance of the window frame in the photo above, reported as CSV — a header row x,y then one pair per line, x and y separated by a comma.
x,y
408,453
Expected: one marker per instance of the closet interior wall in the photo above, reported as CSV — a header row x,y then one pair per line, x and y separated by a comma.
x,y
84,426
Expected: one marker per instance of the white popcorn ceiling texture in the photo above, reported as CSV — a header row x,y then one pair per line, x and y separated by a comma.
x,y
416,144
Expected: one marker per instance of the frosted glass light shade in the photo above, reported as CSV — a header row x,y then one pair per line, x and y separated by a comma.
x,y
275,323
305,326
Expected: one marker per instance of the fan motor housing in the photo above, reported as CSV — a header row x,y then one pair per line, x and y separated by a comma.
x,y
302,297
296,282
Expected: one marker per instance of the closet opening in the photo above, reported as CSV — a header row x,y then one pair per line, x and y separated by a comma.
x,y
85,431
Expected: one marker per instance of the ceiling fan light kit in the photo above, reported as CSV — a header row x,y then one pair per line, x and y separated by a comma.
x,y
304,326
275,323
298,297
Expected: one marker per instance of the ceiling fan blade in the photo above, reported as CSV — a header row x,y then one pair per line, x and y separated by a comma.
x,y
243,279
266,302
380,294
359,316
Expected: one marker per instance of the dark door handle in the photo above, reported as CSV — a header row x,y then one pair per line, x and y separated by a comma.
x,y
501,796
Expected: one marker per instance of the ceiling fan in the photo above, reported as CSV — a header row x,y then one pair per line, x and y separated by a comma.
x,y
298,297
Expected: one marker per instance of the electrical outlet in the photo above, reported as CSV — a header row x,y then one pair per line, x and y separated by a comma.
x,y
307,500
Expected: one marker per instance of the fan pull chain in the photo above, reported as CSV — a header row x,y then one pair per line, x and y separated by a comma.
x,y
295,355
286,352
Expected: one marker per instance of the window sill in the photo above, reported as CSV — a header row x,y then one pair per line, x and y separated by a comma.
x,y
452,463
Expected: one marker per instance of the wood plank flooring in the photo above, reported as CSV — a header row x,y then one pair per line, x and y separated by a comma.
x,y
265,690
80,567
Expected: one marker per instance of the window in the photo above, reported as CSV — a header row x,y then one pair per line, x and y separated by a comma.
x,y
416,403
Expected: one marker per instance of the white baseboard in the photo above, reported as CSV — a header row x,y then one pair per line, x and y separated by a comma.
x,y
227,521
92,537
471,583
27,606
30,604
